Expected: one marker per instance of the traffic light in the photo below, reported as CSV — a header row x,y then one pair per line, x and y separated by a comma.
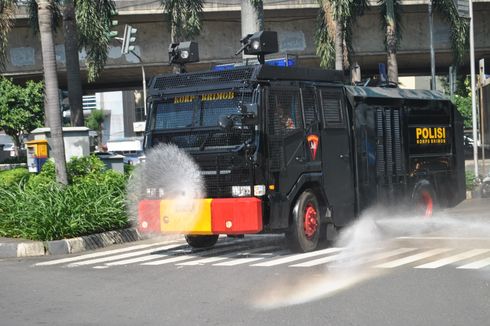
x,y
113,34
128,38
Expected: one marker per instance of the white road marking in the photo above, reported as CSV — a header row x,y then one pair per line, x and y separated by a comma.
x,y
347,255
136,260
413,258
388,254
122,256
477,264
102,254
453,259
207,253
240,260
203,261
169,260
296,257
441,238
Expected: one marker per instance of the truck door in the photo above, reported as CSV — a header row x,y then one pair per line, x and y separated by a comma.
x,y
337,156
286,135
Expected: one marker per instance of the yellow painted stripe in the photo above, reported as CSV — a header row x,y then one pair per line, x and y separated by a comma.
x,y
188,217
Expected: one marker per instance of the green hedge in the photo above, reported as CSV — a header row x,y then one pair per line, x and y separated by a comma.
x,y
38,208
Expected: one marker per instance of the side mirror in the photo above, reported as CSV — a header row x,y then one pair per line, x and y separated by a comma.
x,y
225,122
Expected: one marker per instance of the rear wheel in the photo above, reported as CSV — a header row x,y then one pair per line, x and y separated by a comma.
x,y
304,232
424,200
201,241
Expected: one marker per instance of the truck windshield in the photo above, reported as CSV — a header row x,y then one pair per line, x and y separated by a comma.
x,y
197,110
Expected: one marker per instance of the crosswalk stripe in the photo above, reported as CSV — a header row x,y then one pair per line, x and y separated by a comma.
x,y
136,260
339,256
122,256
203,261
413,258
296,257
477,264
169,260
206,253
239,261
453,259
388,254
242,259
101,254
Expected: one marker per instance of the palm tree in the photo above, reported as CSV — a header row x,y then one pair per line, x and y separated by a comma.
x,y
259,8
183,15
459,28
390,11
86,24
334,31
51,99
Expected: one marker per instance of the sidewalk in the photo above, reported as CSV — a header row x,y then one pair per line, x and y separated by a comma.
x,y
25,248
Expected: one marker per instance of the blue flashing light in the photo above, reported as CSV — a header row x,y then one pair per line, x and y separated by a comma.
x,y
224,67
281,62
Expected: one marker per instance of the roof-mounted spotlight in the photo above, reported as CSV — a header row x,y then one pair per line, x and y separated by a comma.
x,y
182,53
259,43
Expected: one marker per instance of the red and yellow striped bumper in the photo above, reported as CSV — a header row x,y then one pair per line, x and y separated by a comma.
x,y
203,216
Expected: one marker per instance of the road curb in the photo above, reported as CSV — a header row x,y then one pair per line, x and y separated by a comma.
x,y
67,246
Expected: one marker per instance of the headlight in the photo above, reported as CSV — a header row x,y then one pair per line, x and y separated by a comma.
x,y
241,191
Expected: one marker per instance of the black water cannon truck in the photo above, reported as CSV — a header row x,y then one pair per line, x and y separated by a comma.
x,y
286,149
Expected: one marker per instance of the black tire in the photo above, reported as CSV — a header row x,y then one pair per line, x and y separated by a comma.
x,y
424,200
201,241
304,232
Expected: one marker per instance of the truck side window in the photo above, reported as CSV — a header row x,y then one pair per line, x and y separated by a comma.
x,y
332,107
284,111
308,94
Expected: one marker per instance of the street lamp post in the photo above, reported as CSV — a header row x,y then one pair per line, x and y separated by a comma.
x,y
473,88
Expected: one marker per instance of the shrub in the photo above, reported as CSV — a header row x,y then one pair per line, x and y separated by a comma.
x,y
470,180
41,209
13,177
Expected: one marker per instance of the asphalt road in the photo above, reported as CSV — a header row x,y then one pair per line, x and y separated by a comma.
x,y
383,271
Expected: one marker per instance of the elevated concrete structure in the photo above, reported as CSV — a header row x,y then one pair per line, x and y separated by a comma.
x,y
295,21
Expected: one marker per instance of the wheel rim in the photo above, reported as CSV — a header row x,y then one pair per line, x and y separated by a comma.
x,y
427,203
310,221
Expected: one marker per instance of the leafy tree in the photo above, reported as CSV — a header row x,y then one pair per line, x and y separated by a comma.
x,y
21,109
95,122
183,15
462,100
86,25
333,37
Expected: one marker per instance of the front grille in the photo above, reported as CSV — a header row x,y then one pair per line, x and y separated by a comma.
x,y
203,139
221,172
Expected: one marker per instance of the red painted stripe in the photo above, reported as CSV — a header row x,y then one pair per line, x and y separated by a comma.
x,y
236,215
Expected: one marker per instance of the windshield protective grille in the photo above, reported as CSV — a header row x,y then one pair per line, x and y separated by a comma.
x,y
203,78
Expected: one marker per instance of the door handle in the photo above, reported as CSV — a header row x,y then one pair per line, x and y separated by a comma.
x,y
344,156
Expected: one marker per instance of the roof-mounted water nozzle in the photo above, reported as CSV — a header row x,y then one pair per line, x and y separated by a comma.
x,y
259,43
182,53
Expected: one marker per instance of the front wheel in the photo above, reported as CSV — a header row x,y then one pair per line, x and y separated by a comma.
x,y
201,241
304,232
